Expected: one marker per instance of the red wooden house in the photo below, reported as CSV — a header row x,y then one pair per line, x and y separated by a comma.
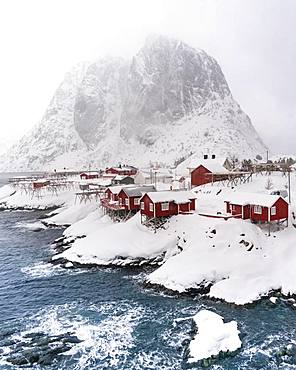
x,y
167,203
37,184
129,198
122,170
89,175
259,208
208,170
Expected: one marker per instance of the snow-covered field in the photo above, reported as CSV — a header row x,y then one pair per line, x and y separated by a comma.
x,y
191,251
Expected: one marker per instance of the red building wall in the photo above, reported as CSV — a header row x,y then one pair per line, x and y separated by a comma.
x,y
173,208
199,176
282,210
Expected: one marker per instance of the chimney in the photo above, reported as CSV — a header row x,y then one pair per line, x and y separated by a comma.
x,y
213,156
205,156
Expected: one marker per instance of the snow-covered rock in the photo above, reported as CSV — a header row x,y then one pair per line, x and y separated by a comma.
x,y
168,101
213,336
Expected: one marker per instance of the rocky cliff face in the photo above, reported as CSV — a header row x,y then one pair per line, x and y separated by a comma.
x,y
170,100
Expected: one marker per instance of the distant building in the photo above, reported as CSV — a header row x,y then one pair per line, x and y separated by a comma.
x,y
89,175
122,170
122,180
151,176
208,170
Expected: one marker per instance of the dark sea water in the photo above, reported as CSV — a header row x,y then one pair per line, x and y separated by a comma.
x,y
104,318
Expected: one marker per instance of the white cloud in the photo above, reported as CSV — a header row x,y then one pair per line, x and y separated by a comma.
x,y
252,40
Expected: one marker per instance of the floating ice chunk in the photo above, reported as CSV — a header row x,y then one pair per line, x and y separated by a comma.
x,y
214,336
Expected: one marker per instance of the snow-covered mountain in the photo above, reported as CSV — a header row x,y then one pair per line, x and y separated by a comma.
x,y
169,101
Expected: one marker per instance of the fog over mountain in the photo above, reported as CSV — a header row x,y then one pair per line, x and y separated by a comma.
x,y
168,101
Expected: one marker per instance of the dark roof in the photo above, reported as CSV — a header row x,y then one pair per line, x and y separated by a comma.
x,y
138,191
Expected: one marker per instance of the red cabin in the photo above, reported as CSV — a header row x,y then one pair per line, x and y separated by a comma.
x,y
167,203
129,198
204,172
40,184
258,207
89,175
122,170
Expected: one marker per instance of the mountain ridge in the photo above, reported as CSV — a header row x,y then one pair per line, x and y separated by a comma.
x,y
167,101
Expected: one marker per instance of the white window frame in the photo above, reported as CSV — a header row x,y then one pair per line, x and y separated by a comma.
x,y
151,207
126,201
142,206
136,201
165,206
258,210
273,211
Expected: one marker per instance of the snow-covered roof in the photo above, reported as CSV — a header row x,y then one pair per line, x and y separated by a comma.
x,y
120,177
139,191
117,188
196,160
242,198
90,173
178,197
213,165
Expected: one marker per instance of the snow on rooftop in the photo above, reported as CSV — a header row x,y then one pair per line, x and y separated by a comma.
x,y
244,198
139,190
179,197
194,161
214,336
117,188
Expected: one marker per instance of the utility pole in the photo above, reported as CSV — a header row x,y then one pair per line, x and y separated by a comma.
x,y
267,156
289,184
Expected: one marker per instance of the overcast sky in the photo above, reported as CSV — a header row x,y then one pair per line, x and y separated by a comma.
x,y
253,41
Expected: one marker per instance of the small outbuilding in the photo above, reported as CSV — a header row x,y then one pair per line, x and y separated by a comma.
x,y
89,175
167,203
257,207
122,180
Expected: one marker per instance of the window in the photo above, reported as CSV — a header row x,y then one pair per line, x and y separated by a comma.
x,y
151,208
258,210
137,201
273,211
126,202
165,206
142,205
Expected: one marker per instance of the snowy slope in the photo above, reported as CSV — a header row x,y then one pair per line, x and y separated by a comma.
x,y
168,101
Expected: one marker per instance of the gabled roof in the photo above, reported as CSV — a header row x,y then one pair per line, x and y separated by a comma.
x,y
117,188
196,160
138,191
213,165
256,199
90,173
178,197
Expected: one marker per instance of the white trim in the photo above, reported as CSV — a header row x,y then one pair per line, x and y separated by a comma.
x,y
165,206
151,207
258,210
273,211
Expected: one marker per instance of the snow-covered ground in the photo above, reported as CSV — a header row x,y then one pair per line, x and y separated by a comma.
x,y
10,198
213,336
191,251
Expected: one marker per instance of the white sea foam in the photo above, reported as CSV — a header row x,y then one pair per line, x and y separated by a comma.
x,y
107,341
42,269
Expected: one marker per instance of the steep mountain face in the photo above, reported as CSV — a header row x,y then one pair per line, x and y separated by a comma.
x,y
169,101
